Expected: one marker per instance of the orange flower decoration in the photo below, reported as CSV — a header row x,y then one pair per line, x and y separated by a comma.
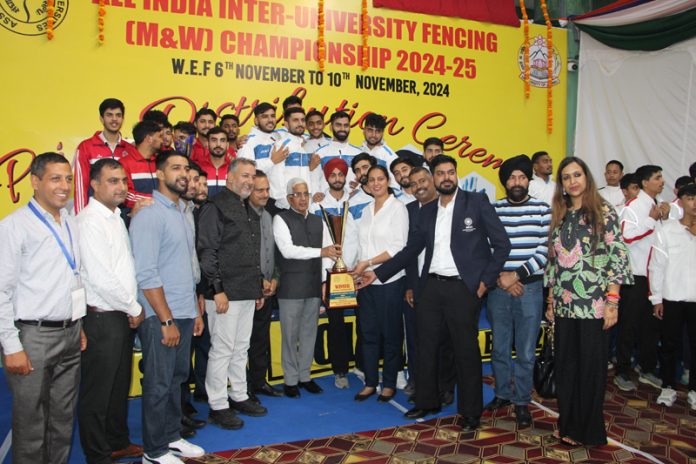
x,y
321,46
549,77
100,20
527,69
50,19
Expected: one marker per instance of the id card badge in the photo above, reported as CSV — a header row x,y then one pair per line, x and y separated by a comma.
x,y
79,303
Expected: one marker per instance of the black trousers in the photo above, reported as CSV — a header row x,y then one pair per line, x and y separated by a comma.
x,y
677,314
260,346
581,355
637,325
200,346
339,340
450,303
106,376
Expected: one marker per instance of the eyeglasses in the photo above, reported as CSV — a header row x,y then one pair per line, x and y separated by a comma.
x,y
299,195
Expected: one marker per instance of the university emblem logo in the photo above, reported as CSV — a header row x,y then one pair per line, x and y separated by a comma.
x,y
29,17
539,62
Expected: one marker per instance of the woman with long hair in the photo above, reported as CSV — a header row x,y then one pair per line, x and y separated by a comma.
x,y
588,263
382,232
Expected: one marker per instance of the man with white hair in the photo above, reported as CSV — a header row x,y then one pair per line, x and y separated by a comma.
x,y
302,242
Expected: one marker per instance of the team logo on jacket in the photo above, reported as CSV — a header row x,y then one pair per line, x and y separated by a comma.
x,y
468,225
29,17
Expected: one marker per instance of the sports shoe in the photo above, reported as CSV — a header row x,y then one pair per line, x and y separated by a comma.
x,y
667,397
691,399
624,383
186,449
168,458
359,374
651,379
401,381
341,381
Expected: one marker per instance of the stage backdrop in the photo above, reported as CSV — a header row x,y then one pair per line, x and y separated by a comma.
x,y
431,76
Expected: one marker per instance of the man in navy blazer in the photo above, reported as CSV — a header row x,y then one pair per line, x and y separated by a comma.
x,y
465,249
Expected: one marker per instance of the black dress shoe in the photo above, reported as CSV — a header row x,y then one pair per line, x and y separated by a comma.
x,y
225,418
187,432
291,391
385,398
468,424
497,403
253,397
268,390
191,422
364,396
311,387
522,415
248,408
446,398
188,410
417,413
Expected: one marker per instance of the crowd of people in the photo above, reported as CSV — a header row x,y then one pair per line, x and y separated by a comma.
x,y
192,234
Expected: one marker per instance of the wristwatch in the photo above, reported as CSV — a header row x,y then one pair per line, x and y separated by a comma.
x,y
168,322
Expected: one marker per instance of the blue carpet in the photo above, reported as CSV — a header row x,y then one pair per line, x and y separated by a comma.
x,y
333,412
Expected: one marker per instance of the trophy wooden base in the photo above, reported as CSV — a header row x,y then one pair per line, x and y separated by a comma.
x,y
340,290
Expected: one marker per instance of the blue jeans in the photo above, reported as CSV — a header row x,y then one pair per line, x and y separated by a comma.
x,y
164,370
518,319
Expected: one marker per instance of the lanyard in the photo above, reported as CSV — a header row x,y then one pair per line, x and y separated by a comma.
x,y
69,256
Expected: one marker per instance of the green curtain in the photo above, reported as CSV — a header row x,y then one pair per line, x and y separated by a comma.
x,y
649,35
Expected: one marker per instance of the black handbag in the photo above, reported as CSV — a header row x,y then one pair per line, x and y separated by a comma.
x,y
544,372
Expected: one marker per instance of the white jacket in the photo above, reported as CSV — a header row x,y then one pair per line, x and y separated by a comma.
x,y
671,269
637,228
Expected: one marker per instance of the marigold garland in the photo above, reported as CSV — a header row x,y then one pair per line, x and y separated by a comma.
x,y
50,20
100,20
321,46
527,68
365,33
549,59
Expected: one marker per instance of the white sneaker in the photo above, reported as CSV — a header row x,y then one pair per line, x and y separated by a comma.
x,y
359,374
186,449
691,398
341,381
401,381
168,458
667,397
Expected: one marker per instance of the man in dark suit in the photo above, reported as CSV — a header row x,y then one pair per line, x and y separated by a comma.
x,y
457,232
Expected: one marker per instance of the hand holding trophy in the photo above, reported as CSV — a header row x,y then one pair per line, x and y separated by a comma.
x,y
340,292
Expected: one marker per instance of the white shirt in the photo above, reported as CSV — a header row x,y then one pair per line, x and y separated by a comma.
x,y
283,240
443,261
108,272
36,280
538,188
637,228
671,264
613,195
387,230
295,165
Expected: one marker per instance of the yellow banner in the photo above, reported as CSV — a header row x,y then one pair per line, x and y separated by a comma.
x,y
431,76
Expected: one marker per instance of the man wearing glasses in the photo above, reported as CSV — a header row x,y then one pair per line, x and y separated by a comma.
x,y
302,242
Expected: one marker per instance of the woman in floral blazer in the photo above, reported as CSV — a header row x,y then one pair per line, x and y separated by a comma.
x,y
588,262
